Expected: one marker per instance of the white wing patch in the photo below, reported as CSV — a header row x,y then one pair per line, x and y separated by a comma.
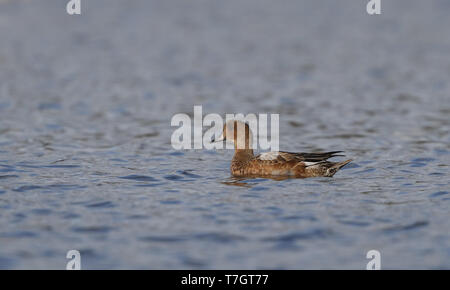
x,y
273,155
311,163
269,155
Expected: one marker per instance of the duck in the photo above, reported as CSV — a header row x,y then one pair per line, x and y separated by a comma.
x,y
275,163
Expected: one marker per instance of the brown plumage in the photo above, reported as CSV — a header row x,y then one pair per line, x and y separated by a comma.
x,y
245,163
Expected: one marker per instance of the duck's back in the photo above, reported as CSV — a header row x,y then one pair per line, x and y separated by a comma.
x,y
286,164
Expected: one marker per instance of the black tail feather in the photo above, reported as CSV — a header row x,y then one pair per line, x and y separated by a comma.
x,y
317,157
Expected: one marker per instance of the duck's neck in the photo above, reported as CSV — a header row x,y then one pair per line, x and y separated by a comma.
x,y
243,147
243,154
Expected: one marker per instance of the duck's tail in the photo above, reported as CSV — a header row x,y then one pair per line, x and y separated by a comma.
x,y
336,166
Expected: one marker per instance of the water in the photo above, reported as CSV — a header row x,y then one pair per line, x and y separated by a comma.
x,y
85,155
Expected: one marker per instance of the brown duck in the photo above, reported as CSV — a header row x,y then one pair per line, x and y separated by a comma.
x,y
275,164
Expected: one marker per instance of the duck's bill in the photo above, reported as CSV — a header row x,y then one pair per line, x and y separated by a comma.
x,y
220,139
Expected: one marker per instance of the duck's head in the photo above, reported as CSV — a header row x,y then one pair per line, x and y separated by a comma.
x,y
237,132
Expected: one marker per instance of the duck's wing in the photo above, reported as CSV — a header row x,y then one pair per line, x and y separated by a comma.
x,y
307,158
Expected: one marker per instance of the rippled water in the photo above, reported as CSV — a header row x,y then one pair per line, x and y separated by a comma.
x,y
85,155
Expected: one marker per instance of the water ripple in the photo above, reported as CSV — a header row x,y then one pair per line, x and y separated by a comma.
x,y
306,235
439,193
92,229
408,227
139,178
